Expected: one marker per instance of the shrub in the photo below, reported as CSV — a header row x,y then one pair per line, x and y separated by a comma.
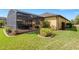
x,y
46,32
69,25
1,23
53,27
8,29
46,24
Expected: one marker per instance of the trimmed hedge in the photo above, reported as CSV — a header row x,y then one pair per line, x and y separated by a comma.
x,y
46,32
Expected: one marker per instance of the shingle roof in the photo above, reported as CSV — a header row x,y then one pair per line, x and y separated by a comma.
x,y
48,14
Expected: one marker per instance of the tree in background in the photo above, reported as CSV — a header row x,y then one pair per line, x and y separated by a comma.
x,y
1,23
76,20
72,21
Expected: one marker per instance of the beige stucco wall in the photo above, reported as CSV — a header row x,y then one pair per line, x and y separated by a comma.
x,y
56,21
53,21
59,22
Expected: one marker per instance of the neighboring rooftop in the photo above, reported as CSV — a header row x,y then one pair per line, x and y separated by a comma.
x,y
48,14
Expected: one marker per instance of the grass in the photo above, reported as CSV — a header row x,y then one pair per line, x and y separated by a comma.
x,y
67,40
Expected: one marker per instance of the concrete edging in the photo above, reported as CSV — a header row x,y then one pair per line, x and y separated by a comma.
x,y
44,37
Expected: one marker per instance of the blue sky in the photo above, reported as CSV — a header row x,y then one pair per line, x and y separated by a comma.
x,y
68,13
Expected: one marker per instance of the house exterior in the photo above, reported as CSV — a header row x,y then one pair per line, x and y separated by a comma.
x,y
19,20
56,21
22,21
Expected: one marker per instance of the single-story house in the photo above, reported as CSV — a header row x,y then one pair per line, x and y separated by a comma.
x,y
56,21
22,21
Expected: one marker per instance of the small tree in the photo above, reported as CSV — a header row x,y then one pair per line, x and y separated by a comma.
x,y
76,20
72,21
1,23
46,24
46,32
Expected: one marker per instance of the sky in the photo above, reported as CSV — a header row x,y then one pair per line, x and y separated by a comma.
x,y
68,13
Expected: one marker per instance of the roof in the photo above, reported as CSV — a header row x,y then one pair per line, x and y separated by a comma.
x,y
50,14
42,15
47,14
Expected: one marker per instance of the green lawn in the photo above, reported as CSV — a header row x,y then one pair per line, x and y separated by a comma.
x,y
66,40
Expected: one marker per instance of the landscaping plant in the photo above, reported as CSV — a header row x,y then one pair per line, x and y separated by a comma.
x,y
46,32
1,23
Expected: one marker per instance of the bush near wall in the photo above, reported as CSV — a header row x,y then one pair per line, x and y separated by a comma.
x,y
46,32
69,25
10,31
46,24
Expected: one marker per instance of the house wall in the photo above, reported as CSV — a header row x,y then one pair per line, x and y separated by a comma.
x,y
59,22
53,21
56,21
11,19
